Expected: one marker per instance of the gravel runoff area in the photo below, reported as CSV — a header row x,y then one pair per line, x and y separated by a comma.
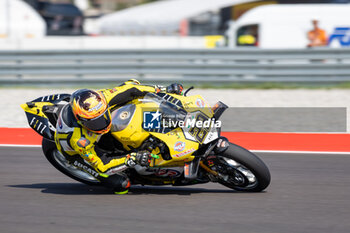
x,y
13,116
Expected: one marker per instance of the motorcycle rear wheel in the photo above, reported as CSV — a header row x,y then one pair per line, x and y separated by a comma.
x,y
61,163
244,170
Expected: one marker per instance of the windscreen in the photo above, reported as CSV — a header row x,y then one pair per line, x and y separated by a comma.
x,y
168,110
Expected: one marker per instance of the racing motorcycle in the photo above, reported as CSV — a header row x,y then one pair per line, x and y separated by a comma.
x,y
182,133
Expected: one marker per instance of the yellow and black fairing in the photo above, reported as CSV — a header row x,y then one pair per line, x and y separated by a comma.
x,y
127,128
42,113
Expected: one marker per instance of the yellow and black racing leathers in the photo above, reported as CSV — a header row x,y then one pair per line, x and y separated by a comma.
x,y
72,139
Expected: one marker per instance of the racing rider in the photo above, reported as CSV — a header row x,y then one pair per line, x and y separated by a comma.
x,y
87,117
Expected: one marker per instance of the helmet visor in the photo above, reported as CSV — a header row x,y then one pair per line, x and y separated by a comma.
x,y
98,123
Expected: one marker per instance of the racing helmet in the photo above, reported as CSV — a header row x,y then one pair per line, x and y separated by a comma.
x,y
91,110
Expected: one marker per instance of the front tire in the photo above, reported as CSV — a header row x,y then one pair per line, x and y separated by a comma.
x,y
249,172
61,163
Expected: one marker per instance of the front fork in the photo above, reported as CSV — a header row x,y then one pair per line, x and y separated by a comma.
x,y
218,146
205,167
191,168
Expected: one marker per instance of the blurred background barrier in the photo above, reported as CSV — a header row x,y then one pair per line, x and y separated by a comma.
x,y
106,42
191,65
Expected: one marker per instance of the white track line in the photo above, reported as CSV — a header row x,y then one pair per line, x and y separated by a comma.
x,y
13,145
255,151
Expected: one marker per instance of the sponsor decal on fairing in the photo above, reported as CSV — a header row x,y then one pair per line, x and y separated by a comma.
x,y
200,103
179,146
85,168
184,153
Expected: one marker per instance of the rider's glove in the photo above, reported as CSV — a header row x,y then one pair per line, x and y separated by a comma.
x,y
175,88
142,158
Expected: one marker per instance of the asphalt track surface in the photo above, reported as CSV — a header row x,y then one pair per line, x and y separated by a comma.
x,y
308,193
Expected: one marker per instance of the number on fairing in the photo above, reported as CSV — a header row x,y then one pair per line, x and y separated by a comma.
x,y
199,133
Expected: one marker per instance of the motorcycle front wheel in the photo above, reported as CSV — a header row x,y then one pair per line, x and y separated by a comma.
x,y
241,170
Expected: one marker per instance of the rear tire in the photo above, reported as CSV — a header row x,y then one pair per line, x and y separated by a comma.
x,y
252,163
58,161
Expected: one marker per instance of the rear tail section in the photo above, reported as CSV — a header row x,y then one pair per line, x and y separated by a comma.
x,y
40,114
